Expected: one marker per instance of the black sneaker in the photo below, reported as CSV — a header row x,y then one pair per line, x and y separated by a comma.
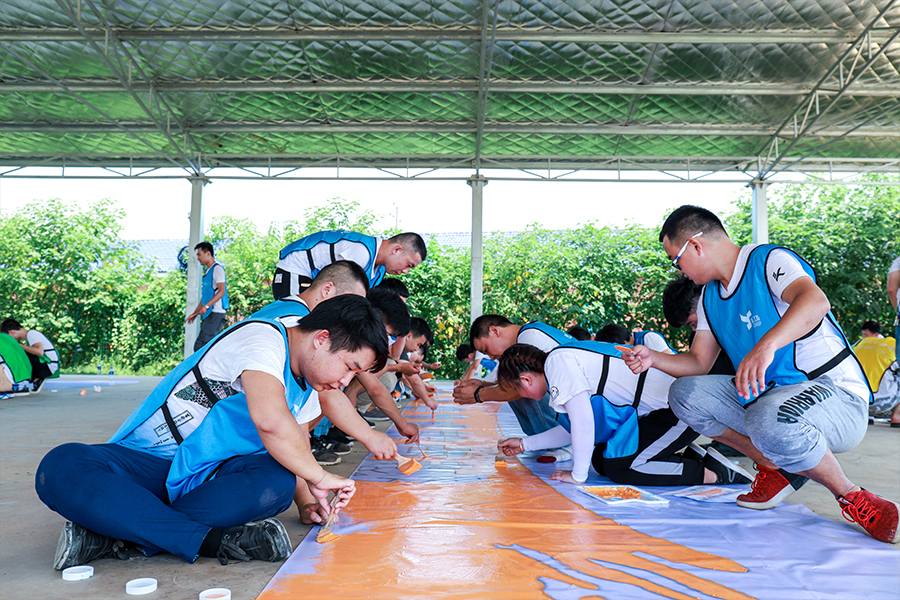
x,y
323,455
725,449
337,435
336,447
260,540
726,471
78,546
694,452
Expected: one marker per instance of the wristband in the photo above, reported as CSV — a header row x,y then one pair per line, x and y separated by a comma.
x,y
478,391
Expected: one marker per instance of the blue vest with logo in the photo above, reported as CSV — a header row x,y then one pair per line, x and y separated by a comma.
x,y
208,289
226,431
331,238
740,321
615,419
561,337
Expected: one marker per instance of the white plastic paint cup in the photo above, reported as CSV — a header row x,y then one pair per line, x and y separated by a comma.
x,y
138,587
216,594
78,573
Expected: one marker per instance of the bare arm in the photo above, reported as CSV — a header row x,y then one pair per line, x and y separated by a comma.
x,y
202,308
286,441
464,393
420,390
37,349
893,284
697,361
383,400
471,370
808,306
341,412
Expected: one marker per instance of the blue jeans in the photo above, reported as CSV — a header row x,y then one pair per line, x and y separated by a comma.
x,y
121,493
534,416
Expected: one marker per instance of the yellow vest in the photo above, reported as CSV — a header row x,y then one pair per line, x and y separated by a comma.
x,y
875,355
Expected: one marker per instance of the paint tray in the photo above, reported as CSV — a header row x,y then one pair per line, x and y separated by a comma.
x,y
622,494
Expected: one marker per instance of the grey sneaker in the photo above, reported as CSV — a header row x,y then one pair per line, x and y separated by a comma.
x,y
260,540
78,546
336,447
323,455
726,471
375,414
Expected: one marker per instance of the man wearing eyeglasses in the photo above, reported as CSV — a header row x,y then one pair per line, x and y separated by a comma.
x,y
799,395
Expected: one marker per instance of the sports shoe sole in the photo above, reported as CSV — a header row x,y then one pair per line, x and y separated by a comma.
x,y
381,418
65,547
327,459
719,458
774,500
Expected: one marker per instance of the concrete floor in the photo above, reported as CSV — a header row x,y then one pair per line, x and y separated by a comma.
x,y
31,425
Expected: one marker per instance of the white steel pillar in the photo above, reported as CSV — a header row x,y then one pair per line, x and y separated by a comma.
x,y
760,212
477,269
191,330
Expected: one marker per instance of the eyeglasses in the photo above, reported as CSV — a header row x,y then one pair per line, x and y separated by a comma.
x,y
675,264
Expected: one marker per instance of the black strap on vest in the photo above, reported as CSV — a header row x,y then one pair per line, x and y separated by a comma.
x,y
167,415
312,263
333,257
835,361
638,392
603,376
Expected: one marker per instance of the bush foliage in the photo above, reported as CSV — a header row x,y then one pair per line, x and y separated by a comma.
x,y
64,271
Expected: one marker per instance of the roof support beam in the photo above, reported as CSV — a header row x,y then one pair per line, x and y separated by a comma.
x,y
391,34
484,76
518,128
105,86
124,79
812,97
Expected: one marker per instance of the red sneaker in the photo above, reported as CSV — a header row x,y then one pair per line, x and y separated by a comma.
x,y
770,487
877,516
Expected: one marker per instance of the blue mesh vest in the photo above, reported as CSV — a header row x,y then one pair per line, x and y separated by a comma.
x,y
226,431
615,419
331,238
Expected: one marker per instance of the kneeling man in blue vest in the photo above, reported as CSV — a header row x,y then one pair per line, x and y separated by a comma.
x,y
219,446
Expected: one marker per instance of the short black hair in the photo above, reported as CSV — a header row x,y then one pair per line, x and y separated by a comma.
x,y
395,285
873,326
343,274
688,220
352,324
10,325
613,333
411,242
482,325
679,300
463,351
393,310
206,247
419,326
579,333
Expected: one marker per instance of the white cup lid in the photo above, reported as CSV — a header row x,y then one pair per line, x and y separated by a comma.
x,y
78,573
216,594
144,585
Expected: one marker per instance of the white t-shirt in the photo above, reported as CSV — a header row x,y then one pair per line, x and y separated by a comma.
x,y
537,338
298,262
254,347
218,277
782,269
33,337
570,371
655,341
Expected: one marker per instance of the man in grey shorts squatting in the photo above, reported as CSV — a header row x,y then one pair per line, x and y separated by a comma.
x,y
799,395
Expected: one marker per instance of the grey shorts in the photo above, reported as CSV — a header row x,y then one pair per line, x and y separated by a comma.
x,y
791,425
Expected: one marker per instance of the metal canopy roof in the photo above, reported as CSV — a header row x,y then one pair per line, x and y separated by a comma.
x,y
754,86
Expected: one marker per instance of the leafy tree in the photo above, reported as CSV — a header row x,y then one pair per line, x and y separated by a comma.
x,y
65,272
848,234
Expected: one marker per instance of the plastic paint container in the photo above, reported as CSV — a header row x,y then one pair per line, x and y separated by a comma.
x,y
138,587
78,573
81,392
216,594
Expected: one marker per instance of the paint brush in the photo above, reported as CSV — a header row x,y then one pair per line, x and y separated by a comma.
x,y
407,465
500,461
325,534
624,349
422,451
